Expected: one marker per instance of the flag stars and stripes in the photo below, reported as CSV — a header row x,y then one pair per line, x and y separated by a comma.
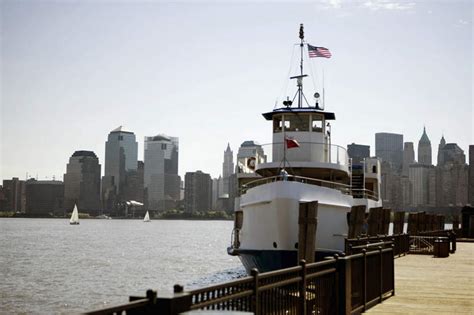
x,y
314,51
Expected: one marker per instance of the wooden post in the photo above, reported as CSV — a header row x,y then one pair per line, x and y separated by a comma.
x,y
398,222
386,213
307,221
373,221
412,218
356,221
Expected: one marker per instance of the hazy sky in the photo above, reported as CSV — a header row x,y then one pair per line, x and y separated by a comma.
x,y
72,71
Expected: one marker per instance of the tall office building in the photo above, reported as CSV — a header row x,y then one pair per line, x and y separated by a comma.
x,y
197,192
358,152
451,153
82,183
389,148
408,157
227,168
424,149
441,145
121,155
161,179
471,176
419,175
15,197
452,176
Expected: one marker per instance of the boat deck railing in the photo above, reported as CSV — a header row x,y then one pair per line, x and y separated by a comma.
x,y
345,189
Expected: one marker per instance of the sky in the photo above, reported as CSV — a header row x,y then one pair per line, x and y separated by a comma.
x,y
205,71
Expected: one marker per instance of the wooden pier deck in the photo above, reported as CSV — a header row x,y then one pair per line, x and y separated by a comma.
x,y
428,285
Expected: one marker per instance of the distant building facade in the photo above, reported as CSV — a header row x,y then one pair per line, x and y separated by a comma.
x,y
14,191
452,176
358,152
389,147
161,179
424,149
121,156
471,175
197,192
134,184
44,197
227,168
82,183
408,157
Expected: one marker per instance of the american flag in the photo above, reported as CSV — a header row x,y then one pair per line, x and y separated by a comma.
x,y
314,51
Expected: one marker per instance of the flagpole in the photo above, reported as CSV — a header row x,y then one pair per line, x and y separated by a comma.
x,y
300,80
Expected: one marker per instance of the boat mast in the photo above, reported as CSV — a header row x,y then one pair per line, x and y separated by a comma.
x,y
300,79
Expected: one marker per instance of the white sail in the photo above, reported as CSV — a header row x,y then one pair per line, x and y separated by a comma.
x,y
147,217
74,216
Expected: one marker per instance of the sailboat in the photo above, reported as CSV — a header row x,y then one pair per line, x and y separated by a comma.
x,y
147,217
74,216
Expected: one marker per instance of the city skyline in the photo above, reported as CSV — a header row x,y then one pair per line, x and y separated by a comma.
x,y
74,72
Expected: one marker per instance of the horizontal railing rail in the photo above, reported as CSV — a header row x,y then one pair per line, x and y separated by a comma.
x,y
346,189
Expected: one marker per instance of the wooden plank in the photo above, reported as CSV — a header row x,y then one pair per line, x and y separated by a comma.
x,y
398,222
427,285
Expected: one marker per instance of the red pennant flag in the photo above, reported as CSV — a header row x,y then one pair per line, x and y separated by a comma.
x,y
291,143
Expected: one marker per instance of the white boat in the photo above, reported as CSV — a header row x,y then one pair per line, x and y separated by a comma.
x,y
147,217
302,166
74,216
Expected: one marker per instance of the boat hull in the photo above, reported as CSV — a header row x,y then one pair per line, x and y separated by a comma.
x,y
268,260
268,238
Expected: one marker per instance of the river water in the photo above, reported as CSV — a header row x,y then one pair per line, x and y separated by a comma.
x,y
50,267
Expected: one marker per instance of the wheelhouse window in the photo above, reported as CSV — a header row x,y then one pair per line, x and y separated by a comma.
x,y
296,123
277,124
317,123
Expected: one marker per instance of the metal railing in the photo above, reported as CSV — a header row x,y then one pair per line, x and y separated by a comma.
x,y
399,242
337,285
346,189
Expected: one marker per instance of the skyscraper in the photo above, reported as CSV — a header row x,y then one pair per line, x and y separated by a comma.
x,y
389,148
471,176
227,168
408,157
424,149
82,183
161,179
121,155
44,197
197,192
441,145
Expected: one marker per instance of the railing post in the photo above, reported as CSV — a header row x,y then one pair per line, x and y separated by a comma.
x,y
255,301
344,285
393,271
364,252
174,304
381,274
302,300
453,241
